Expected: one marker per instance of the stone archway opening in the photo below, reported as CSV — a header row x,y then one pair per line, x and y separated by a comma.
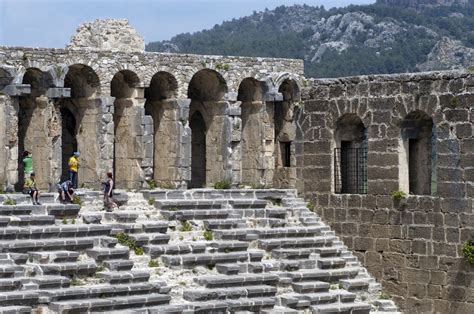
x,y
161,106
350,155
253,132
206,91
82,106
417,154
69,142
127,155
198,150
33,132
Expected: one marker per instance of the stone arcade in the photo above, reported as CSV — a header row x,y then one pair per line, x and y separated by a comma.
x,y
189,121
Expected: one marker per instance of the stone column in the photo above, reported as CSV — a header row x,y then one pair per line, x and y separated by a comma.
x,y
128,118
218,143
172,142
3,143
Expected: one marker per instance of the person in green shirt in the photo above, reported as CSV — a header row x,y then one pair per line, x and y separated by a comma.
x,y
27,164
30,188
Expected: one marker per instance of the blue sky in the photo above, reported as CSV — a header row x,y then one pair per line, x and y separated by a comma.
x,y
51,23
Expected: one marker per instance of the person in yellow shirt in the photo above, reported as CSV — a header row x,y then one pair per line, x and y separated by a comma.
x,y
73,168
30,189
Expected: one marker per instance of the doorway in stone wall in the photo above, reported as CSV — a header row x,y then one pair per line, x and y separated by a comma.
x,y
69,142
24,119
198,151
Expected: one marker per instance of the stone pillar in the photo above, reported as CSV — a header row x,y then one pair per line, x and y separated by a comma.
x,y
172,142
3,143
236,143
128,117
218,143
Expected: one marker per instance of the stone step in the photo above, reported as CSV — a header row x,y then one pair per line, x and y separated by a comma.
x,y
143,239
252,305
121,216
217,281
100,291
32,220
228,269
155,227
15,210
279,310
291,253
23,298
15,309
17,258
220,194
328,251
275,213
101,254
327,275
212,224
247,203
118,264
207,259
119,277
197,214
313,242
44,257
229,293
49,281
105,304
190,204
8,271
227,246
173,249
346,296
353,307
268,222
310,286
66,231
61,211
355,284
331,262
249,233
10,284
259,267
69,268
160,309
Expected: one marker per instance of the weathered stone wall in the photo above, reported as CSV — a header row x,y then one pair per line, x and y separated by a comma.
x,y
412,246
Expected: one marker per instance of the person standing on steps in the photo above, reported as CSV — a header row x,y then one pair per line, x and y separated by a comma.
x,y
73,167
27,164
109,203
30,189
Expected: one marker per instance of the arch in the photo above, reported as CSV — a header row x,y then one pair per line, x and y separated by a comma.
x,y
207,85
38,80
124,84
350,155
417,154
198,150
83,81
163,85
5,78
250,90
290,90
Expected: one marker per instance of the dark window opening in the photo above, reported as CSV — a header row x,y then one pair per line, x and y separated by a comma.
x,y
285,149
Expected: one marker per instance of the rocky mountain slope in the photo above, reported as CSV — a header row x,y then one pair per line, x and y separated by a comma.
x,y
355,40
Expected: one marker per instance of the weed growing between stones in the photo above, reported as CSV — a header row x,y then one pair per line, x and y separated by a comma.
x,y
384,296
208,235
9,201
310,205
100,268
211,266
64,221
73,221
77,282
125,240
77,200
186,226
222,185
153,263
398,195
151,201
151,184
276,201
173,209
468,250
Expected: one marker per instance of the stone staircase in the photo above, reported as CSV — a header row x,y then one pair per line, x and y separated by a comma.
x,y
174,251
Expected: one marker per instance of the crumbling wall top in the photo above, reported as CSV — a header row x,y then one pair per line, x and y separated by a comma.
x,y
108,34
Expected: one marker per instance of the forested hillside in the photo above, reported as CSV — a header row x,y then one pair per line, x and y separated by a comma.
x,y
346,41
